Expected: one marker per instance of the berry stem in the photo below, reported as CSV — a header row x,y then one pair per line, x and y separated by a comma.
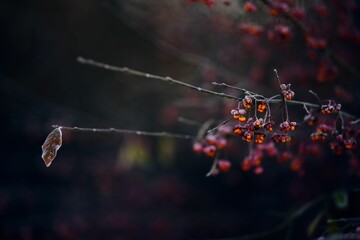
x,y
283,97
213,166
253,94
220,124
188,121
315,94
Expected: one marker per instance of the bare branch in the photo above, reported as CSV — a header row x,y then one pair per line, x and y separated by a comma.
x,y
151,76
190,86
125,131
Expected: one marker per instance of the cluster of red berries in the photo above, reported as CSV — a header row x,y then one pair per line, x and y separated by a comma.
x,y
339,141
211,145
255,158
213,142
331,107
342,140
282,136
251,128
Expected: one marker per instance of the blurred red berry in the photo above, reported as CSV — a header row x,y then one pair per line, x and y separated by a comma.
x,y
298,13
249,7
197,147
258,170
223,165
210,151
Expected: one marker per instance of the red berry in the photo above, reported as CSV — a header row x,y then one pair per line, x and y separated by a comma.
x,y
258,170
197,147
223,165
246,164
261,107
210,151
211,139
249,7
248,136
296,164
238,130
298,13
221,143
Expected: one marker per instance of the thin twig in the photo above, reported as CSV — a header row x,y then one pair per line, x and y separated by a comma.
x,y
355,121
282,96
151,76
188,121
220,124
315,94
125,131
203,129
213,165
238,88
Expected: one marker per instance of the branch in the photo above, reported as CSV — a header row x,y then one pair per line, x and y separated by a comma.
x,y
151,76
125,131
190,86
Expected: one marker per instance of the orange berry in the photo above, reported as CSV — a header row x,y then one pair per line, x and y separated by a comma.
x,y
248,136
242,118
238,130
261,107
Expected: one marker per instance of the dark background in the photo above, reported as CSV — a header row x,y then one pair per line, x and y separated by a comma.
x,y
88,192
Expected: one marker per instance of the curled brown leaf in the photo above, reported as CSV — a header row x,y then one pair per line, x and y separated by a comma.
x,y
51,146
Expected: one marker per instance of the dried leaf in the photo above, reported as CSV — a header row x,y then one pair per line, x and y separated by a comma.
x,y
51,146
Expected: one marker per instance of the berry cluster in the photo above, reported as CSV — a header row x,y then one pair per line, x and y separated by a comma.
x,y
211,145
330,107
254,123
340,138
